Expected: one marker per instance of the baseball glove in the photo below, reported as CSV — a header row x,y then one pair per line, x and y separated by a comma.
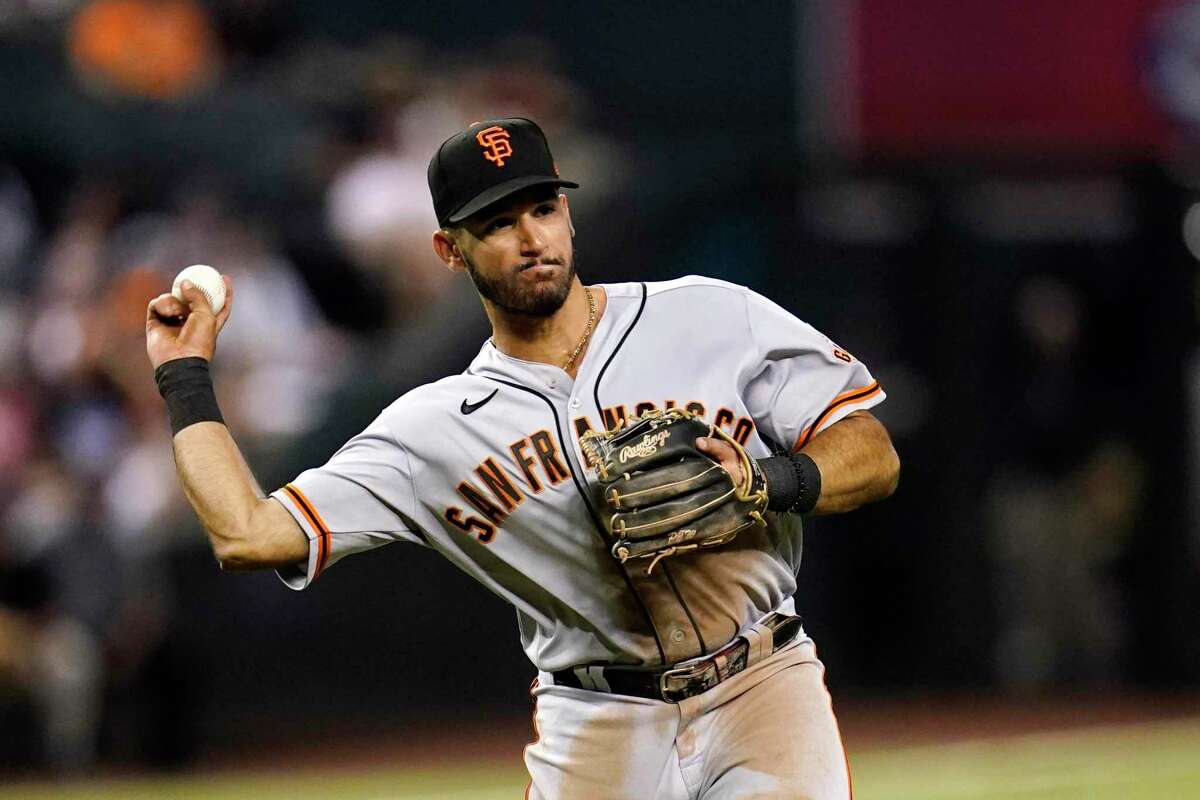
x,y
666,497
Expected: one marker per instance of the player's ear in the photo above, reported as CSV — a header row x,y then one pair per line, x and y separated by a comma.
x,y
448,251
566,207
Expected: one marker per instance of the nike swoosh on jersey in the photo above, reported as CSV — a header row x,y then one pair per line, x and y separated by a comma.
x,y
471,408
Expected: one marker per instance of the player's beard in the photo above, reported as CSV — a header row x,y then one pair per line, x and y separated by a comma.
x,y
540,300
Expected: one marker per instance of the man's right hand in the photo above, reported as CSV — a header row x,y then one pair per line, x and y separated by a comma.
x,y
181,329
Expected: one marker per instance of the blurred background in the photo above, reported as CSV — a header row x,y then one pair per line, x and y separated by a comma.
x,y
995,205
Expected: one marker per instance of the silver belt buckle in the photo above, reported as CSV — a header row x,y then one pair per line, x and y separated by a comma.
x,y
786,625
674,672
702,668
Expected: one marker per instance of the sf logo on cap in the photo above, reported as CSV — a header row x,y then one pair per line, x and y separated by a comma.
x,y
495,142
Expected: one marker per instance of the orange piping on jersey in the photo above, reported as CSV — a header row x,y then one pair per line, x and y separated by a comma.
x,y
310,512
537,736
845,398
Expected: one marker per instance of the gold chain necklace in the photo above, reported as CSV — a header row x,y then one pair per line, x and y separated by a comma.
x,y
587,331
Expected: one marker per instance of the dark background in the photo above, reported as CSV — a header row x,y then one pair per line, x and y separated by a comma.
x,y
985,202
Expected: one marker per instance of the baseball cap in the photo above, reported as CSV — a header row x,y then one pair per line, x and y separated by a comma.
x,y
487,162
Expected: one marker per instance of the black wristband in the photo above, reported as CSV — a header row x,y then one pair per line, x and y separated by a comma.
x,y
793,482
187,387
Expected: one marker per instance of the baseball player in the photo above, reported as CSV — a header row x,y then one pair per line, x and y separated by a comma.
x,y
670,660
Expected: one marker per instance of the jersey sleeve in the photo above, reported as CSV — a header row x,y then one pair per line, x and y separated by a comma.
x,y
798,382
361,499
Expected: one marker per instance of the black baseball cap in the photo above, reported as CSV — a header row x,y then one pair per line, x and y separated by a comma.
x,y
487,162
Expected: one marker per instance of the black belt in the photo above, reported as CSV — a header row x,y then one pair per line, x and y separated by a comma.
x,y
687,678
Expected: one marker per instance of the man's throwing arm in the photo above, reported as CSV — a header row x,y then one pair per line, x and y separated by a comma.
x,y
246,529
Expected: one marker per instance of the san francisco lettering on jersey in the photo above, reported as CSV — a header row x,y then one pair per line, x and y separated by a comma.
x,y
499,494
494,491
739,427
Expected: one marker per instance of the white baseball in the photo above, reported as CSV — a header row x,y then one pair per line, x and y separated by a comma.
x,y
207,280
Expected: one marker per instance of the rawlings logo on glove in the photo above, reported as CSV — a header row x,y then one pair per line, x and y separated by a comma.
x,y
649,445
665,496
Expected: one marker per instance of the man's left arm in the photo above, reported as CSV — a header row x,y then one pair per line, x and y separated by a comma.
x,y
805,392
857,461
855,458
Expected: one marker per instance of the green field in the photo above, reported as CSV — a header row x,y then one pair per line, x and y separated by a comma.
x,y
1159,760
1154,760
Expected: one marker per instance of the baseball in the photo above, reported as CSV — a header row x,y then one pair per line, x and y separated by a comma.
x,y
207,280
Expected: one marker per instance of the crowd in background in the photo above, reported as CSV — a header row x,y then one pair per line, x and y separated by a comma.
x,y
141,136
90,509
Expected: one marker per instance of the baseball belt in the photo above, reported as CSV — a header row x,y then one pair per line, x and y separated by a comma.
x,y
694,676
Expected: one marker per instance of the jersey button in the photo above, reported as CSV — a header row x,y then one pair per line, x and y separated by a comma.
x,y
677,636
552,383
574,402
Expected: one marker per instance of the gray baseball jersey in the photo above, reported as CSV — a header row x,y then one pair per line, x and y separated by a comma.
x,y
485,467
